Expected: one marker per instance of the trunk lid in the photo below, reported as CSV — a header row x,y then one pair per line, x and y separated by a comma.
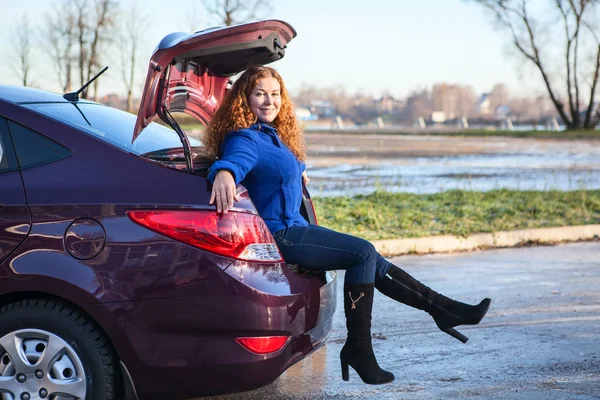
x,y
190,73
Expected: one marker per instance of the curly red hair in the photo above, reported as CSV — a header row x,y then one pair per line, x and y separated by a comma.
x,y
234,113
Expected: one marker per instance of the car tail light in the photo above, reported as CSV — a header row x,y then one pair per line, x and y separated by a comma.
x,y
238,235
263,345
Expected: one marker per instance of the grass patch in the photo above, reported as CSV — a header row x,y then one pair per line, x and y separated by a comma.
x,y
384,215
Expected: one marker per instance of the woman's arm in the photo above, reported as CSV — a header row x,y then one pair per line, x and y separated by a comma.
x,y
223,191
240,155
305,178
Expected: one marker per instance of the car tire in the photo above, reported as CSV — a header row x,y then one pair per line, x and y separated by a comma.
x,y
42,332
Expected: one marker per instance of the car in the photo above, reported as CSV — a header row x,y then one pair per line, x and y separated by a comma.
x,y
117,278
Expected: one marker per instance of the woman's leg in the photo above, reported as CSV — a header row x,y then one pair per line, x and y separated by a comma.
x,y
316,248
447,313
320,249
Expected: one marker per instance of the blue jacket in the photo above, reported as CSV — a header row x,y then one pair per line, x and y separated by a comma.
x,y
260,161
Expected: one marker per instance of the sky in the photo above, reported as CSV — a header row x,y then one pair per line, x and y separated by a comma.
x,y
367,46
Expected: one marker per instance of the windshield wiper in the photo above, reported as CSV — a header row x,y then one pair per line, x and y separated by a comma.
x,y
74,96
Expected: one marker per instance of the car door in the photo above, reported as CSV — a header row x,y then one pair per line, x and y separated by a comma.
x,y
15,220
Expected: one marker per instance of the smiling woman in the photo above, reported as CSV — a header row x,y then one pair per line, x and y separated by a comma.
x,y
265,99
258,144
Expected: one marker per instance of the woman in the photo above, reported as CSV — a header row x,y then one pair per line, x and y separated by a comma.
x,y
256,137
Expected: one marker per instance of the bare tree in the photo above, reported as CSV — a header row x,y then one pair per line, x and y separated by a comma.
x,y
57,36
533,109
574,23
340,100
134,23
231,12
454,100
23,47
307,93
466,101
103,24
498,96
419,104
75,35
93,29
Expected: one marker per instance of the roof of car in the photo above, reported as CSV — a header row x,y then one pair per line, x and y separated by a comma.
x,y
22,94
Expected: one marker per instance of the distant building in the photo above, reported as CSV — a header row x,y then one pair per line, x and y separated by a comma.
x,y
484,106
322,109
388,104
502,111
304,114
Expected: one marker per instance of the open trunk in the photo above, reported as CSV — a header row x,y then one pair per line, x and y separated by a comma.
x,y
175,158
190,73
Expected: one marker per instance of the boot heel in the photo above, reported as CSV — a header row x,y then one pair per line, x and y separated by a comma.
x,y
456,334
345,372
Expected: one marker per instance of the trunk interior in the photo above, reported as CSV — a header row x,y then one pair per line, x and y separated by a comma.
x,y
175,158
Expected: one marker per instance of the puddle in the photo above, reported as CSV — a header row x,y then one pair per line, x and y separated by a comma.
x,y
536,169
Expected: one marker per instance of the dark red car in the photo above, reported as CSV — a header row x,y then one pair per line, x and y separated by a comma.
x,y
117,278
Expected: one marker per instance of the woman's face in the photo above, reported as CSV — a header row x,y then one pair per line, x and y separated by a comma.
x,y
265,99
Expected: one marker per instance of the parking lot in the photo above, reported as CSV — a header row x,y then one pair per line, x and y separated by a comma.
x,y
540,340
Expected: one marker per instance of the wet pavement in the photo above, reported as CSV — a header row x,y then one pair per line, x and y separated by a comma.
x,y
344,164
540,339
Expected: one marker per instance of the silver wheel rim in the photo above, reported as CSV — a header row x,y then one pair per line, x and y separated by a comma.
x,y
34,362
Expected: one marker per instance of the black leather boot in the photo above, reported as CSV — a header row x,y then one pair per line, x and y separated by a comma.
x,y
447,313
358,350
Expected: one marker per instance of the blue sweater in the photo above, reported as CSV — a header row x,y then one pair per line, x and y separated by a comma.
x,y
260,161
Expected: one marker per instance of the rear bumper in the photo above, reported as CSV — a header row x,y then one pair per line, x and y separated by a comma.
x,y
246,373
185,346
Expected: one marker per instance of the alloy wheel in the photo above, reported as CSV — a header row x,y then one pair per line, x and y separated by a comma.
x,y
36,364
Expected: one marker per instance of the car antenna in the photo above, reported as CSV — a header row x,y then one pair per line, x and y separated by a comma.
x,y
74,96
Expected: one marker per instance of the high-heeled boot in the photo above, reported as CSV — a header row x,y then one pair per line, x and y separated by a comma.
x,y
447,313
358,350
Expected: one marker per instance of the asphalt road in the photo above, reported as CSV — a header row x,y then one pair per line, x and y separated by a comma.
x,y
540,339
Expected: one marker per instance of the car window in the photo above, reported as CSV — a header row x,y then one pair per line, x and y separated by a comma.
x,y
8,161
112,126
34,149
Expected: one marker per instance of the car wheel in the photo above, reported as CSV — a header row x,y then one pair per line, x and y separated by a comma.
x,y
49,350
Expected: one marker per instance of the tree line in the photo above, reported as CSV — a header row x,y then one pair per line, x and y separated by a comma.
x,y
454,101
559,38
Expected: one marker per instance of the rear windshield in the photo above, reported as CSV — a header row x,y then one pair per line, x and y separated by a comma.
x,y
112,125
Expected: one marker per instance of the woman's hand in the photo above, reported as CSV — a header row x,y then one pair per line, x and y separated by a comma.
x,y
223,191
305,178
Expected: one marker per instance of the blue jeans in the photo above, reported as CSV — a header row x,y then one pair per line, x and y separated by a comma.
x,y
320,249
